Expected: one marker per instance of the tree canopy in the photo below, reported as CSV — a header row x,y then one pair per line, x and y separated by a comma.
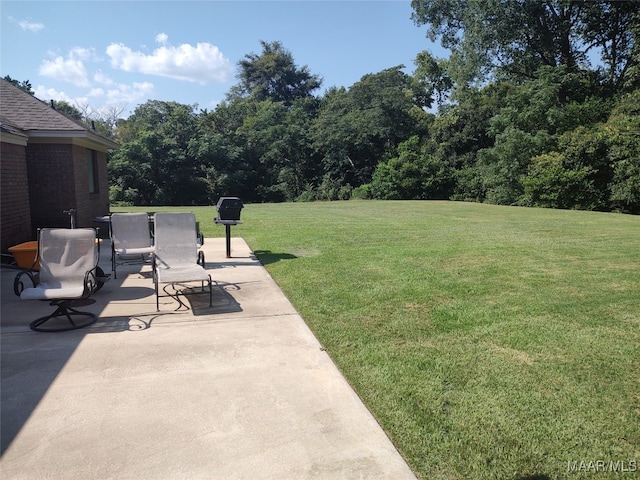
x,y
274,75
24,85
515,38
536,106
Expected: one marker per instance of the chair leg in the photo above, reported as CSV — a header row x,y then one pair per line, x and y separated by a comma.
x,y
176,294
113,261
64,310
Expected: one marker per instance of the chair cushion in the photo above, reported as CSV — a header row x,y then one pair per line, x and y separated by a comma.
x,y
191,273
134,251
39,293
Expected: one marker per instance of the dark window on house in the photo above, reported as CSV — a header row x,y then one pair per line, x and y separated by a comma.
x,y
92,166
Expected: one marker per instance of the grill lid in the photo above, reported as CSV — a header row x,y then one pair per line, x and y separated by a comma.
x,y
229,203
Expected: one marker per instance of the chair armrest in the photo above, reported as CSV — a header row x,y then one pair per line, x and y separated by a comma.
x,y
94,280
90,282
19,281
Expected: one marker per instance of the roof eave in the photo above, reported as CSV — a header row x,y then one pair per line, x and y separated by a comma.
x,y
14,138
84,138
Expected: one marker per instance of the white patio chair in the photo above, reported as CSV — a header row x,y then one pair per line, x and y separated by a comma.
x,y
130,239
176,259
68,276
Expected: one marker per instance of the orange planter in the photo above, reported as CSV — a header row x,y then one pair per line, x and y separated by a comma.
x,y
25,254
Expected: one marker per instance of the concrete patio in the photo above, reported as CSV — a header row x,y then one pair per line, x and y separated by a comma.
x,y
240,390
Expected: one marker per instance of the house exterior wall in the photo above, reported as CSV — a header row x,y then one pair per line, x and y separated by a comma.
x,y
51,180
59,181
103,180
15,215
90,205
53,150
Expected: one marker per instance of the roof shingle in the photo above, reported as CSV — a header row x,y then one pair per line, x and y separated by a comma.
x,y
22,111
28,113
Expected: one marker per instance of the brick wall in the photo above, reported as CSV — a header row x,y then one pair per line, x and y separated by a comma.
x,y
15,216
90,205
51,184
40,182
59,181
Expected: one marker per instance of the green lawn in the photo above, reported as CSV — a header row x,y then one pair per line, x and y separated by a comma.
x,y
489,342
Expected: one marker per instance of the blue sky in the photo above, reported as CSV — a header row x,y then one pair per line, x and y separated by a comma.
x,y
122,53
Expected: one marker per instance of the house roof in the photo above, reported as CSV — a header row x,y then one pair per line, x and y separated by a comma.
x,y
8,126
12,134
39,121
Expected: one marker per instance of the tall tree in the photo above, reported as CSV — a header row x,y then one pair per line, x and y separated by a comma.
x,y
155,159
431,74
68,109
273,75
517,37
357,128
623,128
613,27
413,174
24,85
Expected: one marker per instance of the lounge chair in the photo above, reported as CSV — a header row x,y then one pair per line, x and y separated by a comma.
x,y
68,276
130,239
176,259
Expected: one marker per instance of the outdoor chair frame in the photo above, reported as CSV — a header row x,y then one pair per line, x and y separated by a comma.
x,y
131,240
176,259
68,276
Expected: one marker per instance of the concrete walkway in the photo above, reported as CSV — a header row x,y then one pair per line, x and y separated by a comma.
x,y
242,390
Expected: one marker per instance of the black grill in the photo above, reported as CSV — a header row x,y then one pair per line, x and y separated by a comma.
x,y
229,208
228,214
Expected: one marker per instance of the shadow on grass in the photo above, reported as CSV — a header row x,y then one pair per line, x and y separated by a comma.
x,y
267,256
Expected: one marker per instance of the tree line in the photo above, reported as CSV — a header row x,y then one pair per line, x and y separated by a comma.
x,y
537,105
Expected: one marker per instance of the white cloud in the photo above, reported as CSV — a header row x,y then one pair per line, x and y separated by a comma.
x,y
202,64
120,92
27,25
100,77
81,102
162,38
30,26
97,100
96,92
130,93
70,69
46,94
82,53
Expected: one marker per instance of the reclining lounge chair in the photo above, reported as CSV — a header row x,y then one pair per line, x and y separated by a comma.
x,y
176,259
130,239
